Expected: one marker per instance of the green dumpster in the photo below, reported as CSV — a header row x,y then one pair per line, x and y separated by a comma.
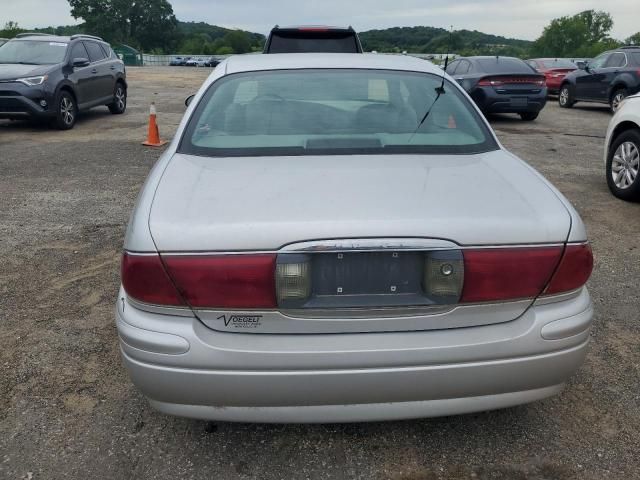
x,y
129,55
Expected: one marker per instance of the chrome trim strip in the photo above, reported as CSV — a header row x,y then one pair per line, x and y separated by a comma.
x,y
317,247
367,312
159,309
546,300
369,244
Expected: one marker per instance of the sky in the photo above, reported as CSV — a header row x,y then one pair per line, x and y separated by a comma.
x,y
510,18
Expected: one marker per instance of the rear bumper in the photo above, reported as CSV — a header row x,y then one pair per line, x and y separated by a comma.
x,y
354,395
366,412
491,101
319,378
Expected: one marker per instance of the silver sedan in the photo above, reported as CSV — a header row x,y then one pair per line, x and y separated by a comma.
x,y
339,238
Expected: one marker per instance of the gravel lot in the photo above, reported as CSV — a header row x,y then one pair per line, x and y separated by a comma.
x,y
68,410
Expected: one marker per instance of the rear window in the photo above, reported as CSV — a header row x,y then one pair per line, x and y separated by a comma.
x,y
504,65
310,41
558,63
312,112
635,58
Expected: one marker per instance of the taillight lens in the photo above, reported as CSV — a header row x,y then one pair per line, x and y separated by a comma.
x,y
224,281
443,276
501,81
507,274
293,280
574,270
145,279
490,82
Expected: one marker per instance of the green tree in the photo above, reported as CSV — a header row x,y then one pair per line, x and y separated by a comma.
x,y
10,30
146,24
583,35
224,51
633,39
238,40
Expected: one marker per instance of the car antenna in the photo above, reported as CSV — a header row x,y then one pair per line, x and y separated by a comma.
x,y
440,89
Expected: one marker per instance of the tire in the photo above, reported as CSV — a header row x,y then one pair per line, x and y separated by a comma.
x,y
66,111
565,97
119,104
529,116
623,166
616,99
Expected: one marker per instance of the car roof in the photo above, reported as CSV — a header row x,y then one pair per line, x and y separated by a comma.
x,y
44,38
313,27
291,61
553,59
490,57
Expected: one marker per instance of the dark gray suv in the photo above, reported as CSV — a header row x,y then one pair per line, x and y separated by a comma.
x,y
53,78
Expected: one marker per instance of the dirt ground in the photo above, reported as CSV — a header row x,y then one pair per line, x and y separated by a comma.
x,y
68,410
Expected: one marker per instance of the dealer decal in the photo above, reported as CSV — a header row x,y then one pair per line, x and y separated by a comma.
x,y
241,321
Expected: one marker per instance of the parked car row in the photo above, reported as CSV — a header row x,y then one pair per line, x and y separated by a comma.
x,y
194,62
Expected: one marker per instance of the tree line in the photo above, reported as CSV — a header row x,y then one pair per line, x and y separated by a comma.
x,y
152,27
149,26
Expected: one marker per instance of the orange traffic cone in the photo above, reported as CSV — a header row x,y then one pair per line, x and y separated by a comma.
x,y
153,137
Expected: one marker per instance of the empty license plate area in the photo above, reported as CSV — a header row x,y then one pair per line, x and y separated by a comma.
x,y
519,101
369,279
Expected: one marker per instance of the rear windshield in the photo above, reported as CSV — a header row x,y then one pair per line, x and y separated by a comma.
x,y
35,52
309,41
504,65
558,63
311,112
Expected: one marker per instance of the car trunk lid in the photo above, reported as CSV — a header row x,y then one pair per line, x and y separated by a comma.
x,y
264,203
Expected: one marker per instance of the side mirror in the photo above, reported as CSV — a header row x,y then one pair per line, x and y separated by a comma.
x,y
80,62
188,100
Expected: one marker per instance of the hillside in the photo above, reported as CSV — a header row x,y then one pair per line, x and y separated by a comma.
x,y
203,38
436,40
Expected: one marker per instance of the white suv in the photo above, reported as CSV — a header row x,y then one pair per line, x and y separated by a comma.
x,y
622,152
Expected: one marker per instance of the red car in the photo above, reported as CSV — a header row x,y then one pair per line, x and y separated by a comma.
x,y
554,70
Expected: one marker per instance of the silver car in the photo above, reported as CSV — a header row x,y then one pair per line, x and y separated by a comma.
x,y
340,238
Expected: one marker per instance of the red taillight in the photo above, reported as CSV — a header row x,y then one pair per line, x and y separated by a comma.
x,y
501,81
313,29
507,274
490,82
574,270
224,281
144,279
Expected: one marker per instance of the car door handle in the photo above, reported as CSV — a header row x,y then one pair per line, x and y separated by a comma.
x,y
95,70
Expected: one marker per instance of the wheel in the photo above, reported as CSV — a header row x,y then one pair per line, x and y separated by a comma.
x,y
529,116
66,111
623,163
616,99
565,98
119,104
